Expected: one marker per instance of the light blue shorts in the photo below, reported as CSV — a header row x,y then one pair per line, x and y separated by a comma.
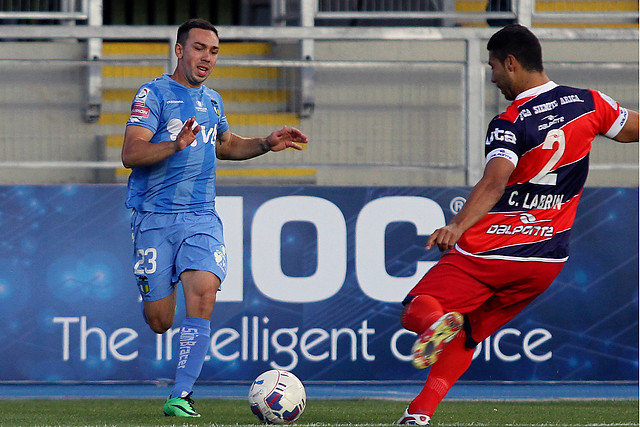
x,y
165,245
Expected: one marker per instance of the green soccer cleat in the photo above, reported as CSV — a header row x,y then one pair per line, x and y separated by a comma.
x,y
180,407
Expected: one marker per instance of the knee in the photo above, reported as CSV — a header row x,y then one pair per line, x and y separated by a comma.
x,y
200,302
420,312
410,320
202,305
160,325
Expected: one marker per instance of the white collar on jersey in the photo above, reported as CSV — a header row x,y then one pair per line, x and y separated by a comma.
x,y
537,90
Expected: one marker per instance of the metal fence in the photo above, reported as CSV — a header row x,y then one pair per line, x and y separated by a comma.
x,y
65,11
371,12
386,106
455,12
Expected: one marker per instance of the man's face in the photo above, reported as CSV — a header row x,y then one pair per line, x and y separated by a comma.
x,y
198,56
501,77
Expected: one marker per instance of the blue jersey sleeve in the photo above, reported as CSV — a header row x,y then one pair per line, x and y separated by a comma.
x,y
218,107
145,109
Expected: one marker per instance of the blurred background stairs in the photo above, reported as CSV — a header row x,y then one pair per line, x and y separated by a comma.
x,y
256,99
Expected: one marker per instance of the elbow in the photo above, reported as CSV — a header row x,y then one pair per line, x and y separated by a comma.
x,y
223,155
127,161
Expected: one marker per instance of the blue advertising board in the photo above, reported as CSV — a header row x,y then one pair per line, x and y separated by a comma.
x,y
316,276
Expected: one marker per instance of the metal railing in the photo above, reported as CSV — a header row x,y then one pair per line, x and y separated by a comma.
x,y
446,12
470,70
389,12
65,11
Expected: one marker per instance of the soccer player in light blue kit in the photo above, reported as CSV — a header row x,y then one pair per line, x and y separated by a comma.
x,y
176,131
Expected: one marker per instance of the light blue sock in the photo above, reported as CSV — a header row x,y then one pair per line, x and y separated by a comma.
x,y
192,349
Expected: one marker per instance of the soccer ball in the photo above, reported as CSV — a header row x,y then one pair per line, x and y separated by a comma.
x,y
277,397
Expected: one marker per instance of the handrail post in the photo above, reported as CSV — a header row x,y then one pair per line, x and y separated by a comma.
x,y
474,112
525,12
94,72
307,50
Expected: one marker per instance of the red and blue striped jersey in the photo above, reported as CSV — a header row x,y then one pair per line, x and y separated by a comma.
x,y
547,133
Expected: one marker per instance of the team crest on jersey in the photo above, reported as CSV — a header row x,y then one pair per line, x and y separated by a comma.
x,y
216,108
143,284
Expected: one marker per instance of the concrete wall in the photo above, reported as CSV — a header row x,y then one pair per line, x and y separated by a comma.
x,y
41,113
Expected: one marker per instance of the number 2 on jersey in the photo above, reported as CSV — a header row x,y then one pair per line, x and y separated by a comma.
x,y
545,177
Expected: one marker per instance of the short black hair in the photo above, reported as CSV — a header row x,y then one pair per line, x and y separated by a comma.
x,y
519,41
183,30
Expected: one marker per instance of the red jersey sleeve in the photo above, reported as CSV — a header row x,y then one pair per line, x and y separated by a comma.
x,y
611,116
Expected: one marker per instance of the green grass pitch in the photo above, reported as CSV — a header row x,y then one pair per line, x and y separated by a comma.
x,y
352,413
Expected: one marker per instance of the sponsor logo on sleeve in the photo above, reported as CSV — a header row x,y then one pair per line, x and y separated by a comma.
x,y
609,100
138,111
501,135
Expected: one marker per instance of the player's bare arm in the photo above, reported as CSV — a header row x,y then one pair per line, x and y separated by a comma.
x,y
137,151
235,147
629,132
484,195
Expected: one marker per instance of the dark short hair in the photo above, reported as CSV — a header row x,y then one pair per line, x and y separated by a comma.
x,y
183,30
519,41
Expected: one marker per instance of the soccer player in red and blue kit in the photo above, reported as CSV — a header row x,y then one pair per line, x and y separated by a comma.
x,y
510,240
176,131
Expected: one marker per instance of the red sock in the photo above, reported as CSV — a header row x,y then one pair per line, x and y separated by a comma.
x,y
420,313
454,360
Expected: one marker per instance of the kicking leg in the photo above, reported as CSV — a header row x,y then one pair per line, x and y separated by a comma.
x,y
420,312
424,315
454,360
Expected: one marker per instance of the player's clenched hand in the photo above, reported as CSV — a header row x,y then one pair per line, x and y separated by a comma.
x,y
187,134
285,138
445,237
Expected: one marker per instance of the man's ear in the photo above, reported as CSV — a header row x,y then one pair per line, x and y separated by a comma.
x,y
178,50
510,63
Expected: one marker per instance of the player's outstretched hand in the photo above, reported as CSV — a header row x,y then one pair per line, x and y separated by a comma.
x,y
445,237
285,138
187,134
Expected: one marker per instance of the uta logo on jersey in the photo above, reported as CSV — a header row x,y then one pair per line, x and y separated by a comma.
x,y
501,135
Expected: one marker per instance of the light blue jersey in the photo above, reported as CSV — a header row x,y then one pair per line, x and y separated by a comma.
x,y
185,181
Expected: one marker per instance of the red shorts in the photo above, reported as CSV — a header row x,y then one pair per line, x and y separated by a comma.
x,y
489,292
